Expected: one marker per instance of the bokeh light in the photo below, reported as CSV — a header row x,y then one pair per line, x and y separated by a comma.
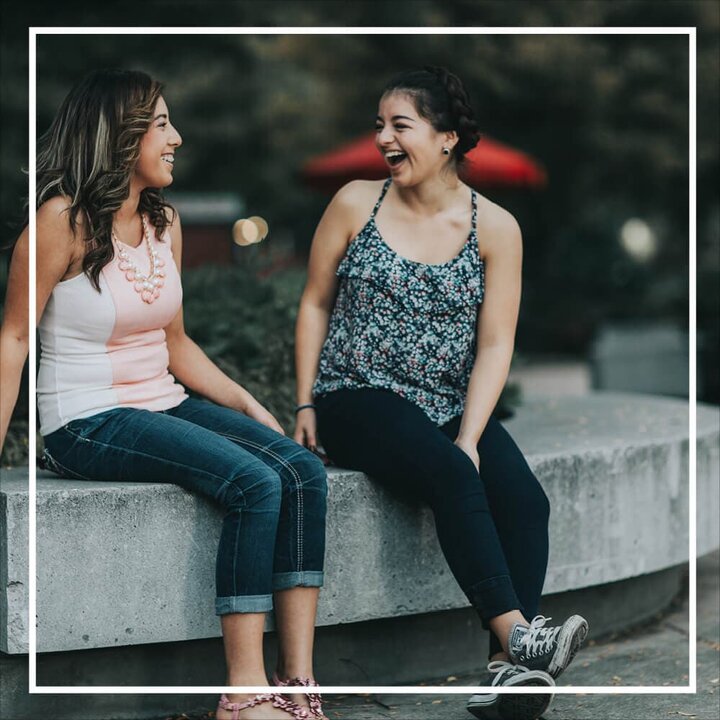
x,y
638,240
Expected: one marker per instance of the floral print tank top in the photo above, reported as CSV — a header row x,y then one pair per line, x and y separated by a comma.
x,y
404,326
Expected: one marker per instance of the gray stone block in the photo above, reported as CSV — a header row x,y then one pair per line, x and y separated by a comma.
x,y
641,357
391,651
13,561
132,563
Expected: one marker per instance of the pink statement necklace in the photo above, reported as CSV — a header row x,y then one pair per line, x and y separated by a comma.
x,y
148,286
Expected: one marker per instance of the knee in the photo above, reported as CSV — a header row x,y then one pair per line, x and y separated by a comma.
x,y
259,489
312,472
457,483
313,476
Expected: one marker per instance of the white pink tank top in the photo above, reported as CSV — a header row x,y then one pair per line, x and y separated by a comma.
x,y
106,350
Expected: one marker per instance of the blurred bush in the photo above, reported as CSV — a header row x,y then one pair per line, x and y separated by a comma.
x,y
15,450
246,325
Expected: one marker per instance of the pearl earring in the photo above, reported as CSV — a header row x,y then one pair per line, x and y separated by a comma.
x,y
446,151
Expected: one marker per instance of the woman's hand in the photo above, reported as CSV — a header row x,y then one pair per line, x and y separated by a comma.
x,y
306,432
257,412
306,428
470,449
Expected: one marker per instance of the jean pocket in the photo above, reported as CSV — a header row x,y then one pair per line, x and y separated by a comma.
x,y
83,428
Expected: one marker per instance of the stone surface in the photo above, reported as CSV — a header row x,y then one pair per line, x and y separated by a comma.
x,y
129,563
13,562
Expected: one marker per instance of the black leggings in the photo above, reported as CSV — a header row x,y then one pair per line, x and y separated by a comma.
x,y
493,529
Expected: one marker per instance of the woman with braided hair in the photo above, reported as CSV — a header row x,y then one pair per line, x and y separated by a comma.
x,y
404,340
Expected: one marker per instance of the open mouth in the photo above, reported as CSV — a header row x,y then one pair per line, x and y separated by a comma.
x,y
395,157
169,159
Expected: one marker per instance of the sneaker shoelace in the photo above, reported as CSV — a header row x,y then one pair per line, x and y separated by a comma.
x,y
538,639
504,671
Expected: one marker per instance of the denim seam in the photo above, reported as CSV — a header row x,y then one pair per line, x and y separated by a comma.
x,y
235,553
132,451
298,487
300,502
230,599
75,435
299,579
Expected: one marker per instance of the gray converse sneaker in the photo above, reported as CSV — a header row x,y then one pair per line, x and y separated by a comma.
x,y
494,706
547,648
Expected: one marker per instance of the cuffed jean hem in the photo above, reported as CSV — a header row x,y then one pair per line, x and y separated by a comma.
x,y
493,597
243,604
309,578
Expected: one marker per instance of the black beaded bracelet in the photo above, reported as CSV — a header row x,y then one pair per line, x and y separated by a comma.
x,y
303,407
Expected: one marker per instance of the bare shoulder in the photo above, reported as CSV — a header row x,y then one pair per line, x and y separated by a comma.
x,y
355,202
60,247
55,211
54,230
497,229
359,191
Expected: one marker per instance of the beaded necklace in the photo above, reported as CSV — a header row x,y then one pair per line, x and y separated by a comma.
x,y
146,285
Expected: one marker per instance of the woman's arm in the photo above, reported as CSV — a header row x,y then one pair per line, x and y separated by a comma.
x,y
332,237
57,251
194,369
496,326
14,333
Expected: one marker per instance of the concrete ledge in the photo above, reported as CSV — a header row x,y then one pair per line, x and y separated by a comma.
x,y
377,652
125,564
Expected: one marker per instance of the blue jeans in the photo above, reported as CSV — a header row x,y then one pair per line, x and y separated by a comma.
x,y
273,490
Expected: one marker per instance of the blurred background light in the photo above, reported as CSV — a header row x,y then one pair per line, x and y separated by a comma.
x,y
638,240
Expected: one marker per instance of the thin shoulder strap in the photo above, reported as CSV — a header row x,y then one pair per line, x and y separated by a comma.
x,y
474,210
380,199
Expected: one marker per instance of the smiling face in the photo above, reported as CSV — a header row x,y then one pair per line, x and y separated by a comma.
x,y
157,150
412,148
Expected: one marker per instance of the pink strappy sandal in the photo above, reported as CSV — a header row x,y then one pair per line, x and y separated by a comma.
x,y
314,699
277,700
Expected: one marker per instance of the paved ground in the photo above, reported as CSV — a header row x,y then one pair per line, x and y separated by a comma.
x,y
640,657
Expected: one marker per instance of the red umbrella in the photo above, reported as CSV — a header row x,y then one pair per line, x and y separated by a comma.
x,y
489,164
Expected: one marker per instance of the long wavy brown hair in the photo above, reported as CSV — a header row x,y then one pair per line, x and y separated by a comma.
x,y
89,153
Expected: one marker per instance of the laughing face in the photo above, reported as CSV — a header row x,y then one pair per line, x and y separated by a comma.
x,y
412,148
157,150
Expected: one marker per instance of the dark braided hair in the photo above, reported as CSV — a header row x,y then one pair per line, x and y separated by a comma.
x,y
440,98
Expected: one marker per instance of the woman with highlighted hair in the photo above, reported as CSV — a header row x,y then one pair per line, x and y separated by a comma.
x,y
115,363
404,340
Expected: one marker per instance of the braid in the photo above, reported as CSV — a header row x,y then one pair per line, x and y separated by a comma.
x,y
460,110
